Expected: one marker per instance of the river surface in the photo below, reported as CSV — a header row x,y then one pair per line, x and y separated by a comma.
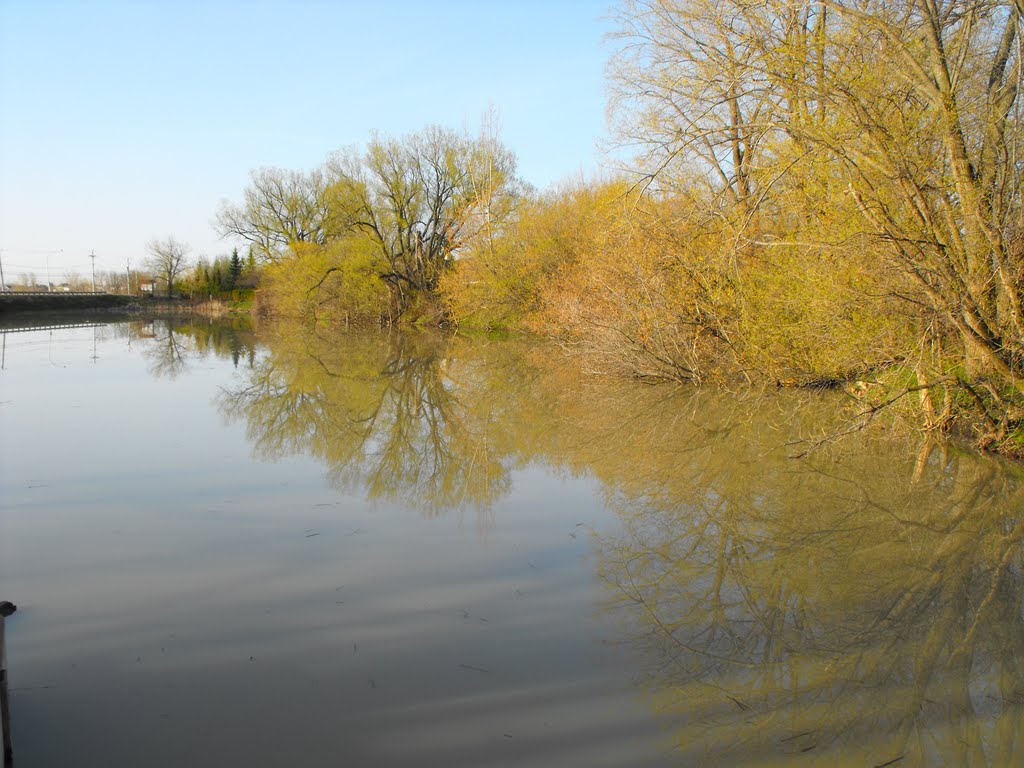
x,y
299,548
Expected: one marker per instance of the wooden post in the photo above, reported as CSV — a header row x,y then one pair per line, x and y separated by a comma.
x,y
6,609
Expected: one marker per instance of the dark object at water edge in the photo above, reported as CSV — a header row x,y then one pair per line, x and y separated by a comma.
x,y
6,609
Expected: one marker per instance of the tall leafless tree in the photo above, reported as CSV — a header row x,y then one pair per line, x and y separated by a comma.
x,y
168,258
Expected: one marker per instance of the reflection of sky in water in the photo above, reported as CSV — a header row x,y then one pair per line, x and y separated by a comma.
x,y
181,603
574,572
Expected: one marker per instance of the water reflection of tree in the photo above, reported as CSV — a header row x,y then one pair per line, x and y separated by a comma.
x,y
860,606
853,609
397,416
172,343
167,351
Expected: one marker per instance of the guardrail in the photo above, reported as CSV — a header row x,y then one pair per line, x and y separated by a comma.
x,y
66,293
52,327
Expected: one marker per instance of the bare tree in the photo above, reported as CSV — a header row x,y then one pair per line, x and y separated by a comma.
x,y
421,199
168,258
280,208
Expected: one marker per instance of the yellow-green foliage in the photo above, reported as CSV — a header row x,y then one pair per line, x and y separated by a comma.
x,y
338,282
641,294
815,314
499,283
667,287
639,285
817,299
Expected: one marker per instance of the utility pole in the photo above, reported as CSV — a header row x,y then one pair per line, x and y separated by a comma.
x,y
128,272
92,255
3,285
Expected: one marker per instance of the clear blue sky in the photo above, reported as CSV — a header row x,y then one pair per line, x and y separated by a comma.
x,y
125,120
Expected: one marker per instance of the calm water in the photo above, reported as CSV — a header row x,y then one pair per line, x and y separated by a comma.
x,y
287,548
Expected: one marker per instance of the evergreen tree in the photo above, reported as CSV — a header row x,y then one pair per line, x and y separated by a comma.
x,y
234,270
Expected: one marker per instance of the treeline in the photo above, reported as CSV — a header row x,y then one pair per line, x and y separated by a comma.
x,y
370,234
220,276
827,194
